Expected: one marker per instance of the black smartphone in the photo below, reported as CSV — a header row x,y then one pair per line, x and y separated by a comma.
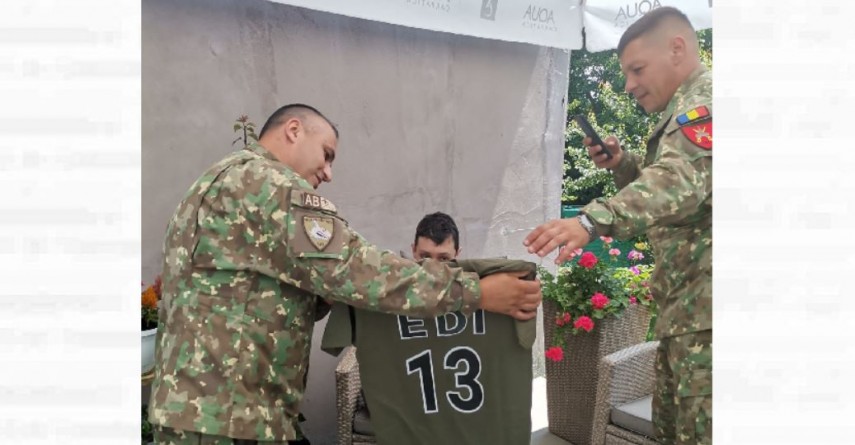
x,y
589,131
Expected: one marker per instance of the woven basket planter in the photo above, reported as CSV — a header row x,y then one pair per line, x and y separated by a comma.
x,y
571,384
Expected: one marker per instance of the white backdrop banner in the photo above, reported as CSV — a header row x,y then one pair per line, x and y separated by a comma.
x,y
606,20
554,23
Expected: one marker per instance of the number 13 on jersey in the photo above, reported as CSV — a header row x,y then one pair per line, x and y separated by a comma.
x,y
468,393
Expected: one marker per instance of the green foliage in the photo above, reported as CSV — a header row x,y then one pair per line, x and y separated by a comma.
x,y
574,287
637,288
146,433
247,128
596,90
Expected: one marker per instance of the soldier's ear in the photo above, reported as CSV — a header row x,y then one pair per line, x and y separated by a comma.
x,y
677,47
292,129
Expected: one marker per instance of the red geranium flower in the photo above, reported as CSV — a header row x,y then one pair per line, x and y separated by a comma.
x,y
555,353
585,323
599,300
588,260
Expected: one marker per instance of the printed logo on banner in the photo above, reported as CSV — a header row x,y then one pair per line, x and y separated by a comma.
x,y
439,5
539,18
488,9
631,12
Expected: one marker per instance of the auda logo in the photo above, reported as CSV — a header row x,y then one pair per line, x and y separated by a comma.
x,y
629,14
488,9
539,18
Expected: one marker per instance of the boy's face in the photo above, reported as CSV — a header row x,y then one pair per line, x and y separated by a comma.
x,y
425,248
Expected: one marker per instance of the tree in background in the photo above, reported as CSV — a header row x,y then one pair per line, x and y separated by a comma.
x,y
596,90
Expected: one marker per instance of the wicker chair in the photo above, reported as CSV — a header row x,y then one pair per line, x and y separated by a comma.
x,y
626,376
350,406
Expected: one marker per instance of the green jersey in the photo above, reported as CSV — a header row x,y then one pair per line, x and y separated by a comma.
x,y
452,379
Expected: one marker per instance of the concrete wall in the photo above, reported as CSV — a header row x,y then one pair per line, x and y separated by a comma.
x,y
429,121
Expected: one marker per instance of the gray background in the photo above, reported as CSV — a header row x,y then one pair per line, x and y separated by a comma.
x,y
429,121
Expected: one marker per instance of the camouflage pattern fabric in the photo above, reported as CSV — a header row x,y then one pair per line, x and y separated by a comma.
x,y
247,253
449,380
668,196
169,436
682,403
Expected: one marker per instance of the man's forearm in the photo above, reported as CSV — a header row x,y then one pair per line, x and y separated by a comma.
x,y
628,170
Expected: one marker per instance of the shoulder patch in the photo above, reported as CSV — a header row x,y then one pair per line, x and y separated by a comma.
x,y
319,229
312,201
692,115
699,134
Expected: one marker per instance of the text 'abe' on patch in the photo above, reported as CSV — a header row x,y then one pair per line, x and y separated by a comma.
x,y
319,229
317,202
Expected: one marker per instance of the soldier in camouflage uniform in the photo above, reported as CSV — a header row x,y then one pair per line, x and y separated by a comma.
x,y
668,196
250,255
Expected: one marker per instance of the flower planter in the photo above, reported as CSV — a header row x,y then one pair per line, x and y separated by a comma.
x,y
571,384
148,338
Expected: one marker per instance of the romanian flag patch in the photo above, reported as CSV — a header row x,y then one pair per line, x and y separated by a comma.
x,y
693,115
699,133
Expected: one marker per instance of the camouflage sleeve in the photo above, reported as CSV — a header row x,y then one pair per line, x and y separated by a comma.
x,y
666,192
321,254
628,170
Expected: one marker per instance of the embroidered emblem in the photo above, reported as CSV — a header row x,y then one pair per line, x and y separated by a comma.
x,y
319,229
699,134
693,115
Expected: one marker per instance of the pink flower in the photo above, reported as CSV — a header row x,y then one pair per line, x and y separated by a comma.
x,y
599,301
585,323
633,300
562,319
614,252
649,297
634,270
588,260
606,239
575,253
555,353
635,255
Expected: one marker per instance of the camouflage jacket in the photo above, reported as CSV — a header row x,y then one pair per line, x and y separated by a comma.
x,y
247,252
668,196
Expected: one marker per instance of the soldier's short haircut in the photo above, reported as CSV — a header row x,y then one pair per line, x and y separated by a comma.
x,y
286,112
437,227
649,22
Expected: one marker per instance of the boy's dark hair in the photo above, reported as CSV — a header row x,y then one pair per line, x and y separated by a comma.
x,y
648,22
437,227
291,110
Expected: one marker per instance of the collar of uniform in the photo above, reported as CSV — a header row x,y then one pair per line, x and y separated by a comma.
x,y
256,148
684,88
678,95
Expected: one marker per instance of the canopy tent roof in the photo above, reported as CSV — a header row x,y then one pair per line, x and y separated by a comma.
x,y
552,23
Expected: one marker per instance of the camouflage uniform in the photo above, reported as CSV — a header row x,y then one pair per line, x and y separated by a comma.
x,y
246,255
668,196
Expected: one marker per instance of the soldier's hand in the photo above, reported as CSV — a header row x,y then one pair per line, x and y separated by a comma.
x,y
600,159
506,293
546,237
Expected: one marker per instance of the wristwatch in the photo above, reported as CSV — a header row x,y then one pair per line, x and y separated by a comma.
x,y
588,226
